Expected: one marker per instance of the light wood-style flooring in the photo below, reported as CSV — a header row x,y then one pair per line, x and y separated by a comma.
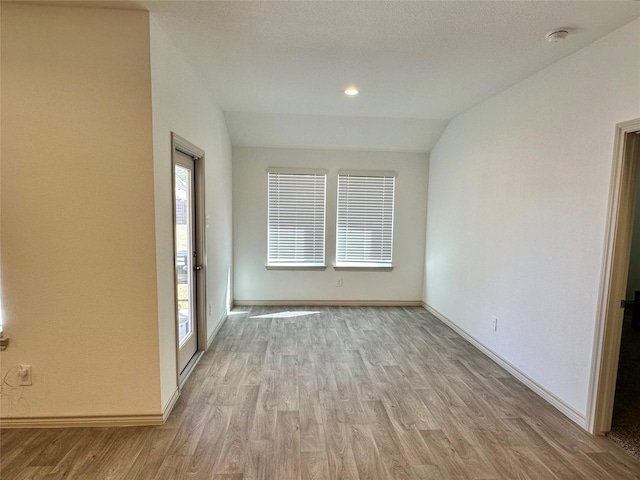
x,y
342,393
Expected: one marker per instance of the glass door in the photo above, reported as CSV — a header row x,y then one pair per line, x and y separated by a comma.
x,y
185,257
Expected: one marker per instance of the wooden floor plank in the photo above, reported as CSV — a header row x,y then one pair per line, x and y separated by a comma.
x,y
338,447
235,454
314,466
366,454
311,429
287,446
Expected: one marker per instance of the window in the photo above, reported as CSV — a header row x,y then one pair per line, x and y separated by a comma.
x,y
296,207
365,219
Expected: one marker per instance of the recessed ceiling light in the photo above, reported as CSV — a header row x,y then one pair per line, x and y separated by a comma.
x,y
352,91
557,35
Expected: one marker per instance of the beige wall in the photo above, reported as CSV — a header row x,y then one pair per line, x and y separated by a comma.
x,y
182,104
78,240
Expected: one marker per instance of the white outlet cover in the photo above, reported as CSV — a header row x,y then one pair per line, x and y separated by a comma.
x,y
24,376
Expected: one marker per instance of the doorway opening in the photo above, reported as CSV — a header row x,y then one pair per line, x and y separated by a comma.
x,y
625,424
189,254
613,298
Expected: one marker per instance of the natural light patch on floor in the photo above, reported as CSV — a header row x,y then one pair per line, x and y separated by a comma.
x,y
300,313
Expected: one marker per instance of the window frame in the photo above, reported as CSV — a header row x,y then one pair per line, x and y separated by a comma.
x,y
370,264
272,263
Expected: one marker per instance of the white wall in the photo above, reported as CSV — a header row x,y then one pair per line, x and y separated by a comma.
x,y
276,130
181,104
518,198
78,264
253,282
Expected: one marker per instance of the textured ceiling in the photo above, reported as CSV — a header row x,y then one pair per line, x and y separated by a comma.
x,y
417,64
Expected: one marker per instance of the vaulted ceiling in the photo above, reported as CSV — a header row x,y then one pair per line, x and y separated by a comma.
x,y
278,69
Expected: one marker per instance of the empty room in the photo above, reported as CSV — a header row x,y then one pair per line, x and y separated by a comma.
x,y
286,240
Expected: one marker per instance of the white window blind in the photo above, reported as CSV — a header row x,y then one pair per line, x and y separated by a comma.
x,y
296,207
365,219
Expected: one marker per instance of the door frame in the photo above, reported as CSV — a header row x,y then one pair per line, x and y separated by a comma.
x,y
619,231
182,145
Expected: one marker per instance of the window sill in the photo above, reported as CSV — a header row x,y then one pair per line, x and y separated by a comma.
x,y
295,267
370,268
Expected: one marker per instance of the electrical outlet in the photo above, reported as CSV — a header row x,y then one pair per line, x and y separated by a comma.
x,y
494,323
24,375
210,309
339,282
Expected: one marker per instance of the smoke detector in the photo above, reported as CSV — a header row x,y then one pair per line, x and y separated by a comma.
x,y
557,35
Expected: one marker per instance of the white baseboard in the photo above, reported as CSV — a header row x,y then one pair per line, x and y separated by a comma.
x,y
166,410
83,421
542,392
188,370
328,303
